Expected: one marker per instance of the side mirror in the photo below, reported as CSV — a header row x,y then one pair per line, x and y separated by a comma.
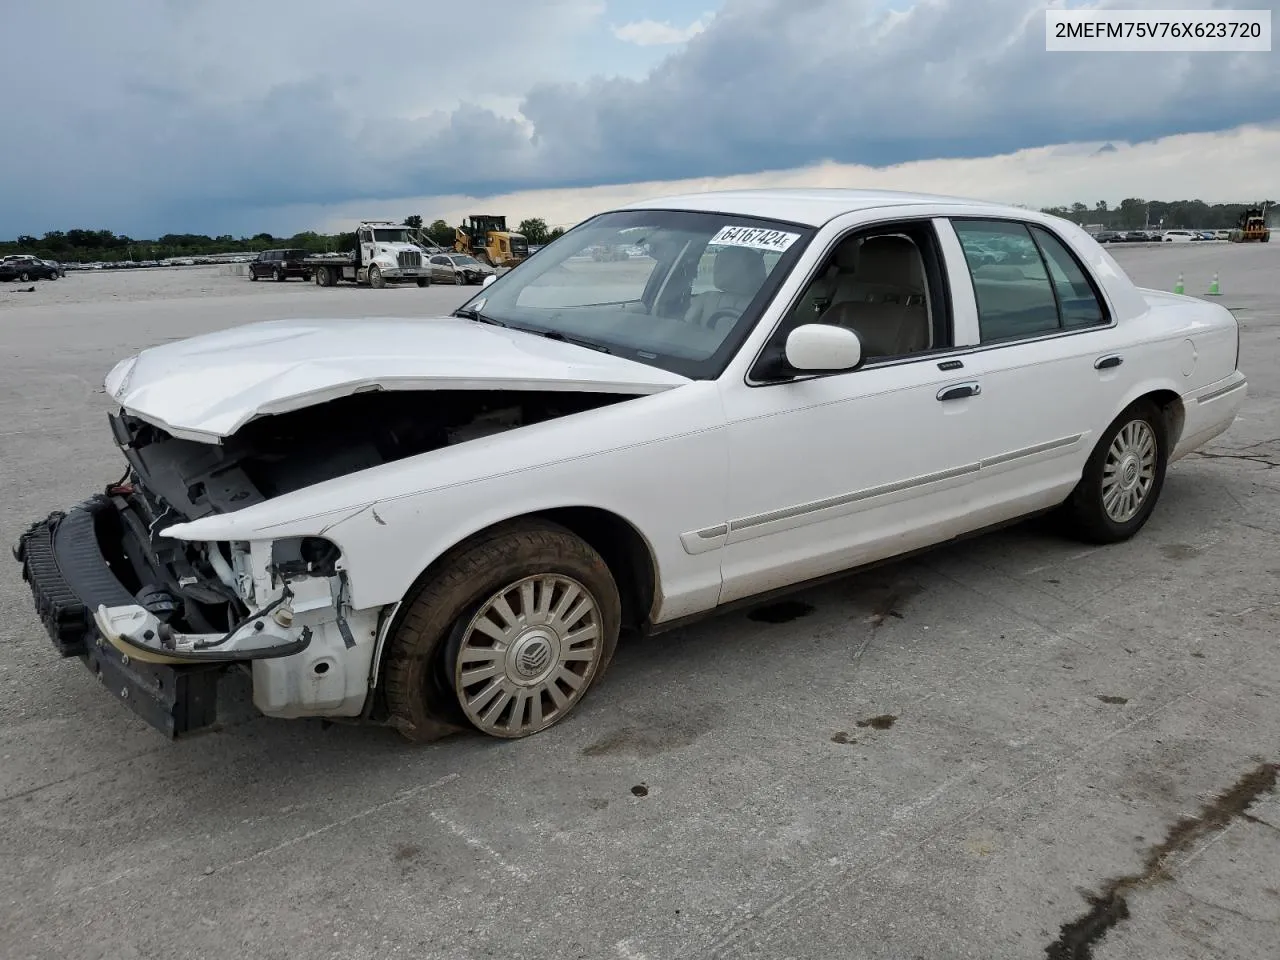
x,y
489,279
822,348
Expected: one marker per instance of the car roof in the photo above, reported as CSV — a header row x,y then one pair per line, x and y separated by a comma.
x,y
810,206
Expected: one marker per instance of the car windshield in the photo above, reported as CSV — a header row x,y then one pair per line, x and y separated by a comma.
x,y
675,289
391,235
464,260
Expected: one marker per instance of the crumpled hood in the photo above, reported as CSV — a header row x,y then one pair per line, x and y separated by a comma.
x,y
207,387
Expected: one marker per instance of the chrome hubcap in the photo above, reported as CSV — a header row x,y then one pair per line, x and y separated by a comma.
x,y
1129,471
528,655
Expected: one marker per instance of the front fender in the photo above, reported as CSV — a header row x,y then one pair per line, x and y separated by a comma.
x,y
392,521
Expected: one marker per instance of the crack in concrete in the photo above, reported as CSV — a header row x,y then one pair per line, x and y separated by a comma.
x,y
1077,938
1252,458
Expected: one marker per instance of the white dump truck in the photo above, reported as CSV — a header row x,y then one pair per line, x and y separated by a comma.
x,y
385,252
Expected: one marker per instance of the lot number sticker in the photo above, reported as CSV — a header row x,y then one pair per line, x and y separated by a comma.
x,y
755,238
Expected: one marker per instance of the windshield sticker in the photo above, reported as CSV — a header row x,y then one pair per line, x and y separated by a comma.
x,y
755,238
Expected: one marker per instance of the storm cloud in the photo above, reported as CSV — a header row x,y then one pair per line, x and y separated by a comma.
x,y
146,116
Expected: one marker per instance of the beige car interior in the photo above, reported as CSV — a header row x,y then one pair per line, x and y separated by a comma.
x,y
877,289
737,276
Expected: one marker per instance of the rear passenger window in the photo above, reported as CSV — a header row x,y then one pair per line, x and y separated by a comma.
x,y
1077,300
1025,281
1014,296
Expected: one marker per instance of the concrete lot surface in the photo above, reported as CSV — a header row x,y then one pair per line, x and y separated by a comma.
x,y
1015,747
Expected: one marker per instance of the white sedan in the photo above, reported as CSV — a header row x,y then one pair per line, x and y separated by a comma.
x,y
446,523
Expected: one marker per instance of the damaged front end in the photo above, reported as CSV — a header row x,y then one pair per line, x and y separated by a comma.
x,y
160,619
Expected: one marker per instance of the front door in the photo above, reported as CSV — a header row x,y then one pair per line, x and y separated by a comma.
x,y
834,471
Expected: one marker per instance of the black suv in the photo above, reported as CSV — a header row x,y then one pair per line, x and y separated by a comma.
x,y
281,264
27,268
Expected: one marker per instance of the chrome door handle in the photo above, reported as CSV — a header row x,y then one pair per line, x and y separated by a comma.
x,y
958,391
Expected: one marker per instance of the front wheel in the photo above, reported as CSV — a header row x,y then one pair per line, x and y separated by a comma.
x,y
459,279
1123,477
423,281
376,279
507,637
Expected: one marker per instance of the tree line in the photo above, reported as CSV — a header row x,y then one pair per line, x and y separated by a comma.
x,y
1135,214
105,246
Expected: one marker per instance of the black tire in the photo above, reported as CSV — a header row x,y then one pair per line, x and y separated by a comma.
x,y
422,671
423,282
253,276
376,279
459,279
279,276
24,277
1084,514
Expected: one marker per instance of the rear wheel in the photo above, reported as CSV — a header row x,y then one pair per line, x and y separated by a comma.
x,y
507,637
1123,477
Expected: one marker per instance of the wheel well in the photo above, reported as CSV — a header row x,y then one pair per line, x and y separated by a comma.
x,y
624,550
1175,415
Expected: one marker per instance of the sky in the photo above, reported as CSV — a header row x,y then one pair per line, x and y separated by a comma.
x,y
237,116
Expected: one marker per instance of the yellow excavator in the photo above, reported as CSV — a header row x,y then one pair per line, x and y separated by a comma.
x,y
1252,226
487,238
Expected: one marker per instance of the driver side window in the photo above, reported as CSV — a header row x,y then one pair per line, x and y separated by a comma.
x,y
884,284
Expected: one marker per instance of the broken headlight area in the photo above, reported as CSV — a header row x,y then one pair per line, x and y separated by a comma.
x,y
169,600
158,620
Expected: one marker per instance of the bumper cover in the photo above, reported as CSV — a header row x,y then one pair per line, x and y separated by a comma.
x,y
70,578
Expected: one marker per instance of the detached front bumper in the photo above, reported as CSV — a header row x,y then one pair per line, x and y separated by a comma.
x,y
70,578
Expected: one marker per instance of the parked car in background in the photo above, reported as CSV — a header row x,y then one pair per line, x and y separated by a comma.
x,y
27,268
1222,234
1180,236
458,268
1109,236
58,269
280,265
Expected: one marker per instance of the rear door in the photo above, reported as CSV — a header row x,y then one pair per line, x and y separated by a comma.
x,y
1047,362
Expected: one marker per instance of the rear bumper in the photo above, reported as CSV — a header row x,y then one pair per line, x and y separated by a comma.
x,y
1209,412
69,576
